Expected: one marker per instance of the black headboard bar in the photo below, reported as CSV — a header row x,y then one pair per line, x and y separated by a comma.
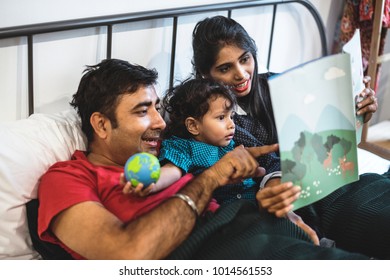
x,y
30,71
229,14
109,41
271,36
173,52
33,29
174,13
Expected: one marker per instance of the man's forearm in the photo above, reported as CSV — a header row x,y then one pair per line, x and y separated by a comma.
x,y
200,189
162,230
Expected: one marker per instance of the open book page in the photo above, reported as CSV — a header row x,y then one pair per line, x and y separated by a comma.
x,y
314,111
353,48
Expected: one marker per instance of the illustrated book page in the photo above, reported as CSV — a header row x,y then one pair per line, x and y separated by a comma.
x,y
314,110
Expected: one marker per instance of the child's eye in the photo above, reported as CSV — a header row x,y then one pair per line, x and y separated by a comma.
x,y
221,117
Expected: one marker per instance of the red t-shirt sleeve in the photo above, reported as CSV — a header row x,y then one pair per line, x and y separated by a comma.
x,y
63,186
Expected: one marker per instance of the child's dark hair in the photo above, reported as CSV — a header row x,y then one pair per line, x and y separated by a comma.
x,y
191,99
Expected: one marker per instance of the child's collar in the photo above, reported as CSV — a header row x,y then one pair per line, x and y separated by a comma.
x,y
240,111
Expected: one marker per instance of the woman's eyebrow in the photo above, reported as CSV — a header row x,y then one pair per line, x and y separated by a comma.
x,y
244,54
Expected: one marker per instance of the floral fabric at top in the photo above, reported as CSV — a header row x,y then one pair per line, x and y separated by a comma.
x,y
359,14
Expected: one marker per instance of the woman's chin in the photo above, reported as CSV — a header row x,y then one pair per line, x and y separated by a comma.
x,y
242,93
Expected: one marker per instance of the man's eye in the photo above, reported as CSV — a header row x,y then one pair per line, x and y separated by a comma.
x,y
142,112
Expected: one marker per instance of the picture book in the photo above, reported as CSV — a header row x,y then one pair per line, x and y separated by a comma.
x,y
353,48
314,109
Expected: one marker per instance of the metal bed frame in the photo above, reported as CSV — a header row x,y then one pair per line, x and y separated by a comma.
x,y
30,31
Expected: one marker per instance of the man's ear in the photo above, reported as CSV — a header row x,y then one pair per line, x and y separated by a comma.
x,y
100,124
192,126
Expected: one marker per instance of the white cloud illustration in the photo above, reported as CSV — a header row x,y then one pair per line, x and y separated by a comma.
x,y
309,98
334,73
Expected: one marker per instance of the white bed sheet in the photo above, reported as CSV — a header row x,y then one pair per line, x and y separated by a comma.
x,y
371,163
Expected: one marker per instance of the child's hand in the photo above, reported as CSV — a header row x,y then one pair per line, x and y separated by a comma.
x,y
139,190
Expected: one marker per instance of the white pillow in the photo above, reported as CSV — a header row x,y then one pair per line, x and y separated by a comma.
x,y
27,149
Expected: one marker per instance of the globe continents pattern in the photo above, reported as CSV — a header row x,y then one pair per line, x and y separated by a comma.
x,y
142,168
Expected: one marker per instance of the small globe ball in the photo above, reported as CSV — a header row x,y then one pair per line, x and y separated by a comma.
x,y
142,168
